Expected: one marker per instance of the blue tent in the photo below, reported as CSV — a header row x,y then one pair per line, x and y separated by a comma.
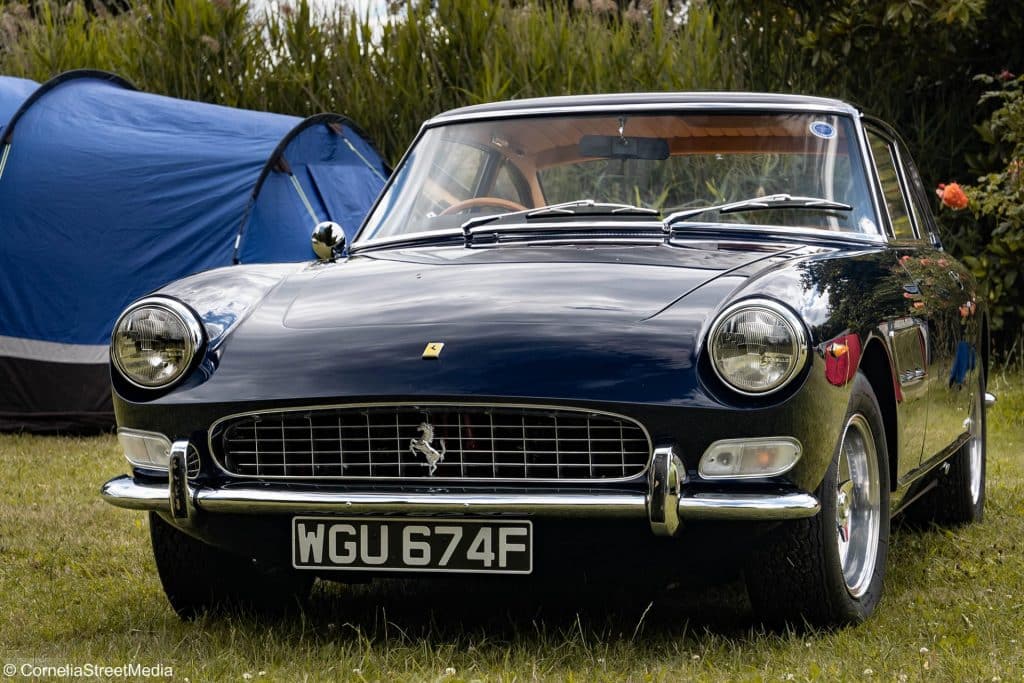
x,y
13,93
107,193
299,179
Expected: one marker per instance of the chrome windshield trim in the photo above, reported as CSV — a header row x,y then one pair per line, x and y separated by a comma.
x,y
215,456
824,107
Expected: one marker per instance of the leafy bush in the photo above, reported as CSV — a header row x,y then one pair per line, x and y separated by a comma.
x,y
998,200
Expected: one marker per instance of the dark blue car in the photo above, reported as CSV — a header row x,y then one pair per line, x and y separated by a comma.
x,y
627,335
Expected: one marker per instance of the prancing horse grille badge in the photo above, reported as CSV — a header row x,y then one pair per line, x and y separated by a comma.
x,y
433,350
423,446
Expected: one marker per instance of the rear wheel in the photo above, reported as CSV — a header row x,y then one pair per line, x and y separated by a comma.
x,y
958,496
198,577
828,570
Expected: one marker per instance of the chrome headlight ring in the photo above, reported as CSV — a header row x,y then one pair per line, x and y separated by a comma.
x,y
777,336
173,333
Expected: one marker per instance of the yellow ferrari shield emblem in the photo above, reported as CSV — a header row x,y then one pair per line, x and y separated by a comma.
x,y
433,350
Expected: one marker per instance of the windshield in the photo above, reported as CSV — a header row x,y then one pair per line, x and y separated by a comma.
x,y
665,162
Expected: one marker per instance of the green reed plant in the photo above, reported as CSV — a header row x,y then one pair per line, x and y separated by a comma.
x,y
429,56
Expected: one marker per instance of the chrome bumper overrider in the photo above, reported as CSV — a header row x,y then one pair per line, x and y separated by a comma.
x,y
664,505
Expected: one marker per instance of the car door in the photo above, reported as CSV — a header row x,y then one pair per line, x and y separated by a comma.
x,y
949,293
908,333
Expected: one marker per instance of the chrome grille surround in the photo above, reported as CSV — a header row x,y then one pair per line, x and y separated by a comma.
x,y
482,443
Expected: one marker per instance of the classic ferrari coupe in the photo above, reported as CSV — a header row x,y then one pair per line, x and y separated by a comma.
x,y
632,334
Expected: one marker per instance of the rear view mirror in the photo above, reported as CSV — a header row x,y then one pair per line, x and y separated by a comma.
x,y
621,147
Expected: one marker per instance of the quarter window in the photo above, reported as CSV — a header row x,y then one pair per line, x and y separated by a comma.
x,y
918,196
895,201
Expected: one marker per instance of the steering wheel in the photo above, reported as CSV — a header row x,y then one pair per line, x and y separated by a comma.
x,y
478,202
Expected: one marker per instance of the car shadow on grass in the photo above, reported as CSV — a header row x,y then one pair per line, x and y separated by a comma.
x,y
448,609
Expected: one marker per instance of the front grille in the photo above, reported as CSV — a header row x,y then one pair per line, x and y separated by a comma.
x,y
477,443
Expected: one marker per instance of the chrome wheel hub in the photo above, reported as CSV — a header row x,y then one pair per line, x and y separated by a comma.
x,y
858,507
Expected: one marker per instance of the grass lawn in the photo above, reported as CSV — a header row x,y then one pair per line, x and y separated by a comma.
x,y
78,586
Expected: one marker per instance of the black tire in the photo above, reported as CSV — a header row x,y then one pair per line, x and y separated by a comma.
x,y
199,578
954,500
797,575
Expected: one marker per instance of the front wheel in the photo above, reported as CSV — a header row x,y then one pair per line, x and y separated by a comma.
x,y
828,570
197,577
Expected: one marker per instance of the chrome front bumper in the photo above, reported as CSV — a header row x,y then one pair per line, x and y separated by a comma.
x,y
665,505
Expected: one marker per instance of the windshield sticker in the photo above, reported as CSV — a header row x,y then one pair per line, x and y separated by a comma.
x,y
822,129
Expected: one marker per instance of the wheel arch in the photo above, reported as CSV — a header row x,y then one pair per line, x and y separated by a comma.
x,y
877,366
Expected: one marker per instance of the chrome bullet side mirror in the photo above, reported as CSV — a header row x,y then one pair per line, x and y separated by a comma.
x,y
328,240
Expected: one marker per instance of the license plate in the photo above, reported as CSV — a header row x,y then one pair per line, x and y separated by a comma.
x,y
387,544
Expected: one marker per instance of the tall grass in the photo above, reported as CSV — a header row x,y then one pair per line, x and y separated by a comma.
x,y
430,56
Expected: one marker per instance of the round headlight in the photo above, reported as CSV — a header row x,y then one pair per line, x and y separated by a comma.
x,y
154,342
757,346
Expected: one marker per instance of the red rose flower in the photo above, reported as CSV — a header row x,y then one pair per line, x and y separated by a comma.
x,y
952,195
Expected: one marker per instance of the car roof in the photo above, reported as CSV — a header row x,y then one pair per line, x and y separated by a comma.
x,y
647,101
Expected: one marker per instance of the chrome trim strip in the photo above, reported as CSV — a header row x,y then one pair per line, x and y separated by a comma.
x,y
563,504
125,492
515,231
215,456
698,231
751,506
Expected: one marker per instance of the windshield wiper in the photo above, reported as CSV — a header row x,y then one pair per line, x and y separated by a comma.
x,y
579,207
772,201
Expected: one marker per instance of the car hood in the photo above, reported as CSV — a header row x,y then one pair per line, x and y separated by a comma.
x,y
605,323
539,286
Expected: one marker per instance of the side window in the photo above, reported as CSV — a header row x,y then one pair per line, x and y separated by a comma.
x,y
919,200
895,202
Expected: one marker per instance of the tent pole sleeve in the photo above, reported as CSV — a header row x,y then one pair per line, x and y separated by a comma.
x,y
3,158
302,196
364,159
236,258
